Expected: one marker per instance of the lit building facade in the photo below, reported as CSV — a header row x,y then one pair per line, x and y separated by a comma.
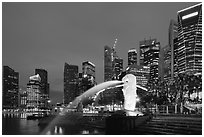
x,y
118,67
23,99
175,57
108,63
34,93
44,87
88,70
189,49
173,33
113,66
142,73
44,80
10,88
132,56
86,79
166,63
70,82
144,47
149,56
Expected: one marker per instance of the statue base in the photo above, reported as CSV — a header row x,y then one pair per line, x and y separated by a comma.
x,y
124,125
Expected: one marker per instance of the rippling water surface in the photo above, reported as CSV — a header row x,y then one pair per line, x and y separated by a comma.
x,y
16,124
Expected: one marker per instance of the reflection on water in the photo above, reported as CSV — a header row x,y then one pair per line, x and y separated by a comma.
x,y
23,115
85,132
17,124
58,130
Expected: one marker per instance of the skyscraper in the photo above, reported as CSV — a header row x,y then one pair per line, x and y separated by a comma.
x,y
118,67
88,69
70,82
190,39
175,57
132,56
149,56
44,80
107,63
113,66
173,33
10,87
88,76
33,102
166,66
144,46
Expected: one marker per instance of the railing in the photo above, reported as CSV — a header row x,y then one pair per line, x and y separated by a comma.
x,y
169,109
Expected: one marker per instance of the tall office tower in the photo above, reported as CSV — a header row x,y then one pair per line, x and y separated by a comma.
x,y
80,84
173,33
88,76
107,63
166,65
190,40
44,87
141,72
10,87
70,82
118,67
33,93
44,80
132,56
175,57
144,46
113,65
23,99
149,56
88,70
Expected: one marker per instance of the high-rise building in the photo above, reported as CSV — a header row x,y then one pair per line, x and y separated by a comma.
x,y
118,67
44,87
87,77
113,66
175,57
173,33
23,99
109,56
10,87
44,80
70,82
166,66
144,46
190,39
88,70
149,56
141,72
132,56
80,84
107,63
33,102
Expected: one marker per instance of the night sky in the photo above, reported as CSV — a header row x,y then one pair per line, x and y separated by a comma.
x,y
46,35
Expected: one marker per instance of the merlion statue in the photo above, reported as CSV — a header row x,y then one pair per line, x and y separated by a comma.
x,y
130,95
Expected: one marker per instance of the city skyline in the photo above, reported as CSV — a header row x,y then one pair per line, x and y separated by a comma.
x,y
46,35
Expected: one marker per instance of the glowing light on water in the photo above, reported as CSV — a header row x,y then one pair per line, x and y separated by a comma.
x,y
60,131
85,132
55,130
